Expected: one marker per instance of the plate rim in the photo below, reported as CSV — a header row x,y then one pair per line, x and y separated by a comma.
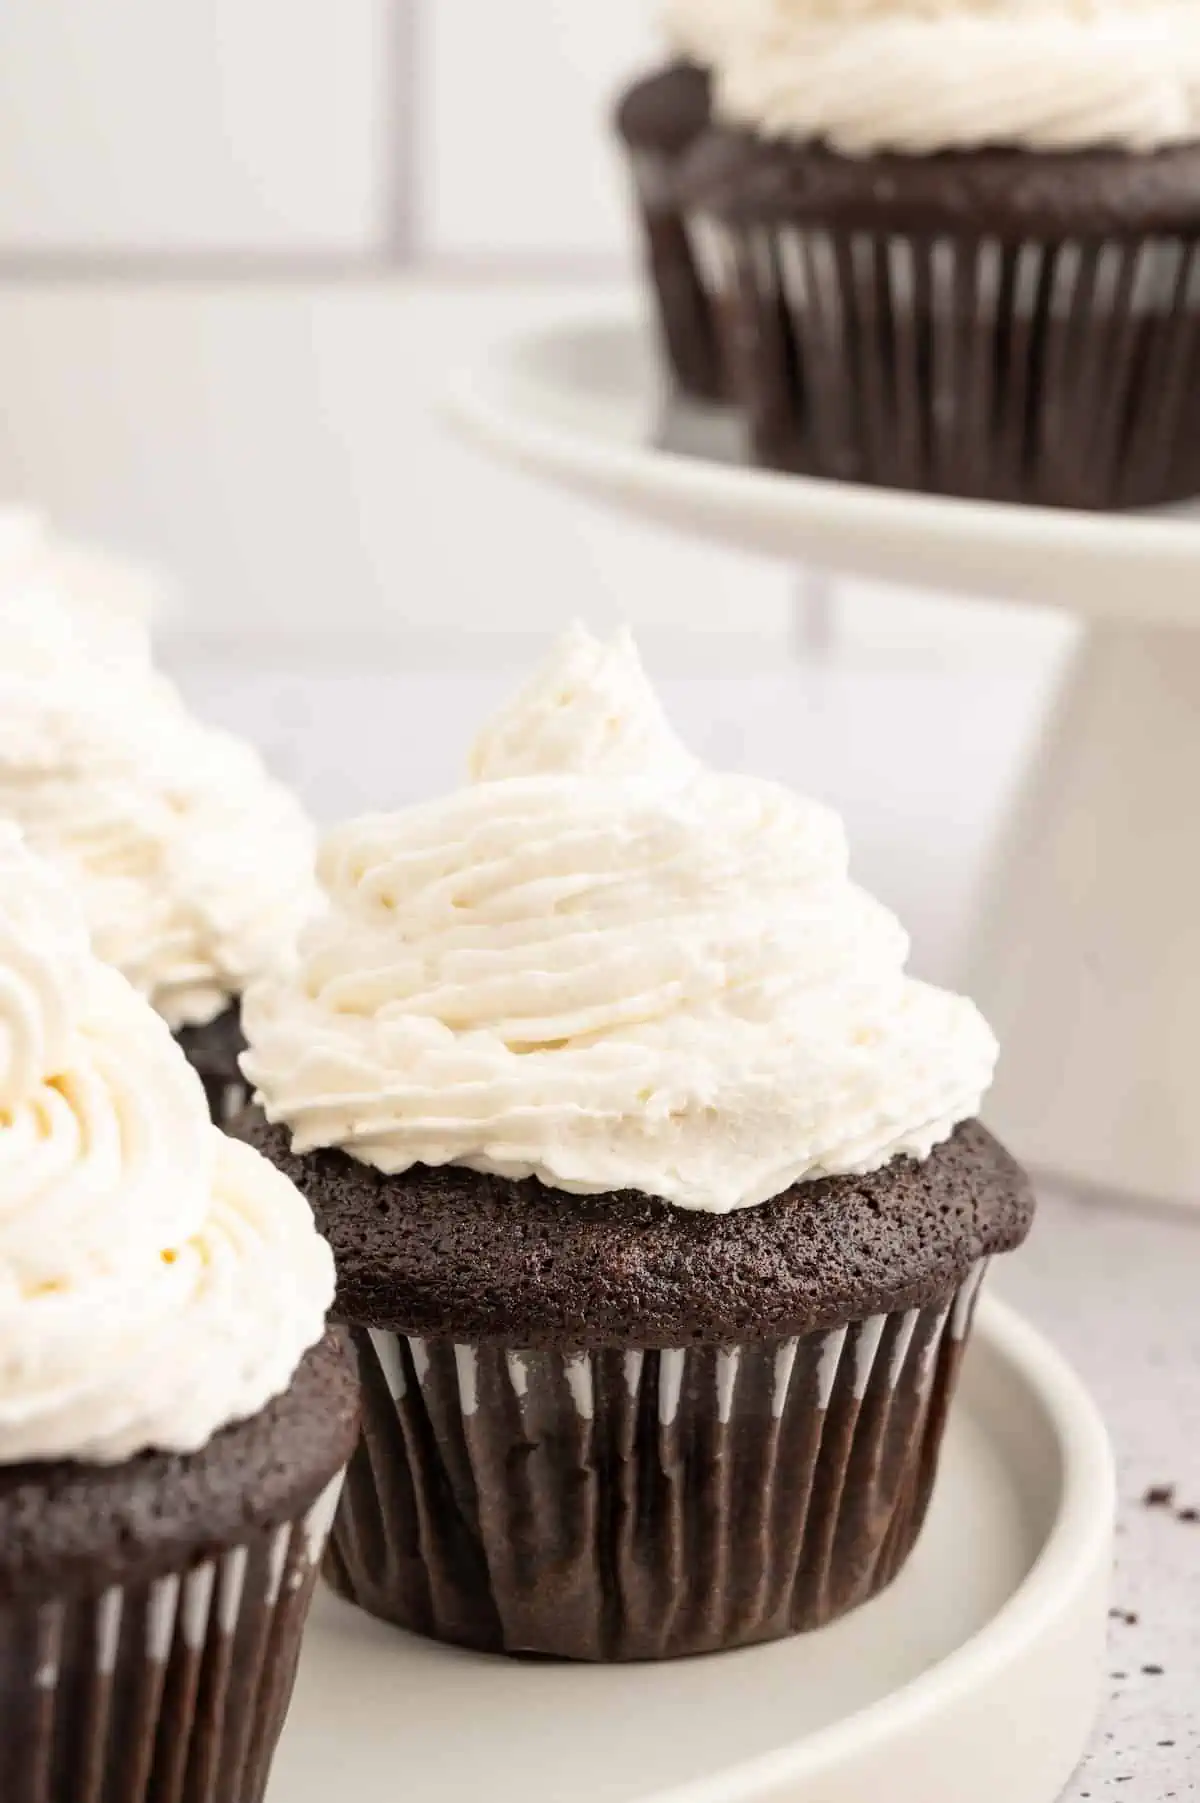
x,y
478,402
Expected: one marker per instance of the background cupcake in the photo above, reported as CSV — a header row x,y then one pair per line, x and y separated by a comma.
x,y
193,865
959,240
659,119
64,590
173,1422
657,1204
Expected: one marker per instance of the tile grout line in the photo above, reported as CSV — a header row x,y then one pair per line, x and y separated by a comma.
x,y
400,146
296,267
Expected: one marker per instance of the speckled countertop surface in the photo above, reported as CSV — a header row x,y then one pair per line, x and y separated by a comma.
x,y
1116,1287
1117,1290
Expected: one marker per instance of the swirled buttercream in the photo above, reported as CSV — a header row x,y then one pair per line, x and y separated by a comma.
x,y
193,864
157,1280
604,966
921,76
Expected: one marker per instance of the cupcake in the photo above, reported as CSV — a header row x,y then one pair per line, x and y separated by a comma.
x,y
193,865
959,240
658,120
174,1419
656,1195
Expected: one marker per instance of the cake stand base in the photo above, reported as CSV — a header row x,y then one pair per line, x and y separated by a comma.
x,y
1087,960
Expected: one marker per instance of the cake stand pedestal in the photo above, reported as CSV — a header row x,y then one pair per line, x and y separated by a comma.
x,y
1088,954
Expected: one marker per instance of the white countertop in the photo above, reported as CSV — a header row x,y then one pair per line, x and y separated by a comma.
x,y
920,761
1116,1289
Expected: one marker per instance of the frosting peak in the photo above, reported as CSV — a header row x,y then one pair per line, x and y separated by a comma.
x,y
589,711
157,1280
606,967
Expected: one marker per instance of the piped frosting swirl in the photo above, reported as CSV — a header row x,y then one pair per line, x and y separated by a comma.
x,y
921,76
604,966
194,866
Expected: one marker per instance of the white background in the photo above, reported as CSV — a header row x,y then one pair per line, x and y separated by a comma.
x,y
242,244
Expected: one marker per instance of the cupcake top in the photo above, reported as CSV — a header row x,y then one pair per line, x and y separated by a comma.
x,y
194,866
601,965
157,1280
921,76
698,29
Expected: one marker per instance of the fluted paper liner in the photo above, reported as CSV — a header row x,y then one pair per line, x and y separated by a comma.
x,y
1059,373
169,1691
226,1097
686,302
627,1504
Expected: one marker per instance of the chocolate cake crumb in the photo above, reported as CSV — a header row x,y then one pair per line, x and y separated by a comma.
x,y
667,111
453,1252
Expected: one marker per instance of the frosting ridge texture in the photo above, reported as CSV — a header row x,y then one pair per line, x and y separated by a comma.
x,y
922,76
157,1280
604,966
193,864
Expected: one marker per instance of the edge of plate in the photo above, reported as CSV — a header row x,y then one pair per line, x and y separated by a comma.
x,y
1113,551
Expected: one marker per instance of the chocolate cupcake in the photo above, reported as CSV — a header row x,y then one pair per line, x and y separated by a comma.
x,y
658,120
174,1421
657,1201
960,243
194,866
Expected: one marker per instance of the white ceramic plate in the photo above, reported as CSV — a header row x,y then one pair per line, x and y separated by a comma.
x,y
578,401
976,1676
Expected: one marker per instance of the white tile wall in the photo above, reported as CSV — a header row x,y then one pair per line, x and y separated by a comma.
x,y
276,444
282,449
514,148
243,125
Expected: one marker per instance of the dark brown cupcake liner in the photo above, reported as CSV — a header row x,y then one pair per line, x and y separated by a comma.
x,y
643,1504
172,1690
227,1098
1062,373
213,1051
685,301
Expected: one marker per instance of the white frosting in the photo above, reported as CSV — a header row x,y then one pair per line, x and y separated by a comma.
x,y
925,75
698,29
157,1280
606,967
194,866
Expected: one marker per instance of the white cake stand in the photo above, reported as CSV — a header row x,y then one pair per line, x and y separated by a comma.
x,y
1088,956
